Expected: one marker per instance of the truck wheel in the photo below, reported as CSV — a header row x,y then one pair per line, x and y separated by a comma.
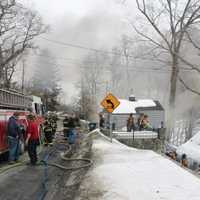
x,y
4,156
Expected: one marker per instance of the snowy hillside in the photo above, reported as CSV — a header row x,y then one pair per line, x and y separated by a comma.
x,y
123,173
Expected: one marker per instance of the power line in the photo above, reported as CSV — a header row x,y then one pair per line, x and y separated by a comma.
x,y
130,69
138,69
86,48
97,50
88,67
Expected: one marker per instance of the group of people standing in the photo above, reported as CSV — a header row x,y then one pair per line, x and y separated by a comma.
x,y
31,135
141,124
16,134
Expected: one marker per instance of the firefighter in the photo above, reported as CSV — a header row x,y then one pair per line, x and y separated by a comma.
x,y
53,121
48,131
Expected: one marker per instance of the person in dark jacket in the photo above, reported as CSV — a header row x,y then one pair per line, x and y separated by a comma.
x,y
130,123
101,121
13,131
77,122
72,132
139,121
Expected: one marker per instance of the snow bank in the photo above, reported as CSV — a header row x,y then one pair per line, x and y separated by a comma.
x,y
123,173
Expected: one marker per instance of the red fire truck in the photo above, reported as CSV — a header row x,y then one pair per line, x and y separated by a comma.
x,y
12,101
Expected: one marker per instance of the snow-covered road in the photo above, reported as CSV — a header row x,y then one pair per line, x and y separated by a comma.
x,y
124,173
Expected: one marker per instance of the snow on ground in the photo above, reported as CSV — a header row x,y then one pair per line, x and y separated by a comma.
x,y
124,173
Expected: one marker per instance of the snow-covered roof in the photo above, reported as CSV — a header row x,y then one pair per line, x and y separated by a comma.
x,y
127,107
191,148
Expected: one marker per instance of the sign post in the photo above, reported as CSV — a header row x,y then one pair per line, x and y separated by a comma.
x,y
110,103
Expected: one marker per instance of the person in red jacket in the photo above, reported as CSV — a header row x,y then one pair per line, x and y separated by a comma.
x,y
32,138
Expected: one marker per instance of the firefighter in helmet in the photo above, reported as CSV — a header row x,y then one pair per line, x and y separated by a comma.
x,y
48,131
53,121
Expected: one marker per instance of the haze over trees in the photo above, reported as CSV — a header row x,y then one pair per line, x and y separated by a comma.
x,y
18,27
45,80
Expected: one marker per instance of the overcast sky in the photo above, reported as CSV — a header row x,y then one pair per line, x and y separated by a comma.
x,y
90,23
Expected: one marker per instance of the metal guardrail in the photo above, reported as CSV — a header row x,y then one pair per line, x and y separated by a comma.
x,y
135,135
14,100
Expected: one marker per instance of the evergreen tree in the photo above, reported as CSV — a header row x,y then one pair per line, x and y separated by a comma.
x,y
45,80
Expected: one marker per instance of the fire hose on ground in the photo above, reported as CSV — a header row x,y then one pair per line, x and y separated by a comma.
x,y
44,162
88,163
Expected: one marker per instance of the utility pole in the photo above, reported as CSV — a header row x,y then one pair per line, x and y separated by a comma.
x,y
107,87
23,74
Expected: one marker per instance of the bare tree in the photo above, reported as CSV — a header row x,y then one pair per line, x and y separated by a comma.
x,y
84,104
191,60
115,68
93,68
170,21
45,80
18,27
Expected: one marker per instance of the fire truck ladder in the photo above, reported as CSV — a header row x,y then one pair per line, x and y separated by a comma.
x,y
14,100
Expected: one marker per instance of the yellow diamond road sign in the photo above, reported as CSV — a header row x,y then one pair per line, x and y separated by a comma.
x,y
110,103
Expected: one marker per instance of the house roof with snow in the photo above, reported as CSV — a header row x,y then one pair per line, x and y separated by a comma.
x,y
127,106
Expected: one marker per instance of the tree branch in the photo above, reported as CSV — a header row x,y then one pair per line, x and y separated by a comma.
x,y
148,38
156,28
187,87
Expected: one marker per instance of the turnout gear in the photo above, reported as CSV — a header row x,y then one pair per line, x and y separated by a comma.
x,y
48,132
54,126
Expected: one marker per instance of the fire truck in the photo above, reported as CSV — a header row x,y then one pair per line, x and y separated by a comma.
x,y
12,101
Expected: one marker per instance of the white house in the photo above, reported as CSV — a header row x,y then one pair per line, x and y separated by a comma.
x,y
149,107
